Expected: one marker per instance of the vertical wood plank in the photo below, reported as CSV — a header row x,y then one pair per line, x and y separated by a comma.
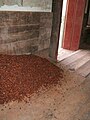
x,y
77,25
56,22
70,16
74,20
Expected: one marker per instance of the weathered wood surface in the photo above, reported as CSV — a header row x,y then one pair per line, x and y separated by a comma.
x,y
85,69
56,23
78,61
74,57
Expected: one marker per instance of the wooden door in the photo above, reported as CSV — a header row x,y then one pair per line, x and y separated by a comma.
x,y
73,26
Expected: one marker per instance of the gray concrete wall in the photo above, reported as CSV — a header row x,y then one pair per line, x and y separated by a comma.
x,y
24,32
44,4
12,2
1,2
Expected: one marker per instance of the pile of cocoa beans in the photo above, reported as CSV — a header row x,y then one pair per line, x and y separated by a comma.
x,y
20,76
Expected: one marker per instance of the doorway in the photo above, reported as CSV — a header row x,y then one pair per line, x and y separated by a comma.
x,y
85,36
72,26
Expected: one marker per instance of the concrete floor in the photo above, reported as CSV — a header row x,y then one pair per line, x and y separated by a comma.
x,y
70,101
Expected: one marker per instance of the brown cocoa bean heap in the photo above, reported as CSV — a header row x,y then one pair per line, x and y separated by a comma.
x,y
20,76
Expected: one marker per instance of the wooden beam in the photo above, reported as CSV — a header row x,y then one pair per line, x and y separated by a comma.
x,y
56,22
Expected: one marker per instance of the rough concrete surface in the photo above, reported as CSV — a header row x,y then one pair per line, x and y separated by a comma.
x,y
70,101
24,32
44,4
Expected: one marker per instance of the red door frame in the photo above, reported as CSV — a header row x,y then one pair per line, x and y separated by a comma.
x,y
73,26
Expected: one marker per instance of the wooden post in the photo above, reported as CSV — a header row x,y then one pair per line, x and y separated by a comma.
x,y
56,22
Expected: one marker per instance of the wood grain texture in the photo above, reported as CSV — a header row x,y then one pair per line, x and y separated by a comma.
x,y
85,69
80,62
56,23
76,61
74,57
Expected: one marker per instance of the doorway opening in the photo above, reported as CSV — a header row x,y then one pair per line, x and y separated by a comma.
x,y
85,35
63,18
